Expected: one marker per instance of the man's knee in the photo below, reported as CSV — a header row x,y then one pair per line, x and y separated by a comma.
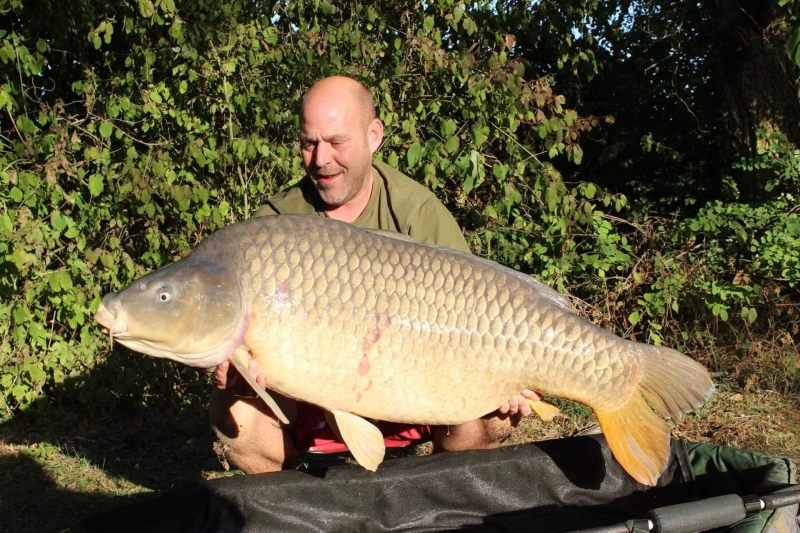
x,y
481,434
221,413
252,437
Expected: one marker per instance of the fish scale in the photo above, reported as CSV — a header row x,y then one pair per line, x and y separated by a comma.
x,y
417,332
370,325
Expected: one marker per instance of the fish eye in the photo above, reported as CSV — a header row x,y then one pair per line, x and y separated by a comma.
x,y
164,294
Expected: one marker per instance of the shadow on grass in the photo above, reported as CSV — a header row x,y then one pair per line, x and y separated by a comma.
x,y
64,460
61,461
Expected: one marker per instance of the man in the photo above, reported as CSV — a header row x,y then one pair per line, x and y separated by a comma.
x,y
339,133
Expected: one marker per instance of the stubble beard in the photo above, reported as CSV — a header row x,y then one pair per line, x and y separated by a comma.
x,y
352,183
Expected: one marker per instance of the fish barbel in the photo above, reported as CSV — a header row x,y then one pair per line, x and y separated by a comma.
x,y
371,325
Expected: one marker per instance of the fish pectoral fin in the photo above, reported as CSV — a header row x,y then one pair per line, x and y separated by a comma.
x,y
364,439
546,410
241,360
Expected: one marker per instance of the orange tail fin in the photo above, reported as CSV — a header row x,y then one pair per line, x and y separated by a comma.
x,y
672,383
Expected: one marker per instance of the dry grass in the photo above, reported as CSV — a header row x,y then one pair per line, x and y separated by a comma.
x,y
54,472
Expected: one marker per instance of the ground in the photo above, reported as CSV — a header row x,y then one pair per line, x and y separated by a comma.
x,y
55,473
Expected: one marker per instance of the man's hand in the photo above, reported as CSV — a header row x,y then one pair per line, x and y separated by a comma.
x,y
519,404
226,377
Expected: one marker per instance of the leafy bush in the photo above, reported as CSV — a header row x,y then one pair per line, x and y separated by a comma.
x,y
132,129
162,125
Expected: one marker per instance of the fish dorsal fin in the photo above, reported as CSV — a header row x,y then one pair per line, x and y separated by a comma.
x,y
543,290
391,234
241,360
364,439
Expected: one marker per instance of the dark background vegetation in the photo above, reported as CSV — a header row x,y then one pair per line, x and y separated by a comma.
x,y
641,157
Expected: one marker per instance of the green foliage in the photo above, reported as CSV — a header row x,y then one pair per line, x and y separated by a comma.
x,y
730,262
130,130
165,122
793,43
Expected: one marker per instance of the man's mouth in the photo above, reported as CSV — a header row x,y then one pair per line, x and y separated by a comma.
x,y
327,178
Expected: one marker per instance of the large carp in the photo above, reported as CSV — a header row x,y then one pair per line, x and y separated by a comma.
x,y
370,325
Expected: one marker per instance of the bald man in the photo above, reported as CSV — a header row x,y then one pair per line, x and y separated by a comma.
x,y
339,133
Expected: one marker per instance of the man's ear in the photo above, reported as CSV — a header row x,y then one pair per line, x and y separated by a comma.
x,y
375,135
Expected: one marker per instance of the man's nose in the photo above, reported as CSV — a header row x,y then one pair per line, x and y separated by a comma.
x,y
322,154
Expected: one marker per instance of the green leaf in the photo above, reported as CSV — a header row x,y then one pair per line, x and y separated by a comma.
x,y
500,171
19,392
413,154
479,134
427,24
146,8
327,8
58,220
96,185
633,318
52,280
27,125
793,46
590,190
175,30
448,128
106,129
16,194
41,46
469,183
452,144
577,154
65,280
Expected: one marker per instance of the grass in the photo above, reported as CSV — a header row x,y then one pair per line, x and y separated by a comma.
x,y
54,472
59,468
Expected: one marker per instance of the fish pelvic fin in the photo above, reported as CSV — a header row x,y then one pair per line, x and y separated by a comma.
x,y
672,383
364,439
546,410
240,360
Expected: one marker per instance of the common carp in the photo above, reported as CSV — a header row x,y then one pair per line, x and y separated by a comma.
x,y
372,325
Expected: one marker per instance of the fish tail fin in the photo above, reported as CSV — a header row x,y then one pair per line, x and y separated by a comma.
x,y
672,383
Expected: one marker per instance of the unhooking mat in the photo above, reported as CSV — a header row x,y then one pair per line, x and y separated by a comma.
x,y
559,485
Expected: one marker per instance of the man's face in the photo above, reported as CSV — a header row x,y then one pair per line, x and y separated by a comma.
x,y
337,147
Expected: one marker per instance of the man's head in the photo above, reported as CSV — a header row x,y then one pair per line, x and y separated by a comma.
x,y
338,135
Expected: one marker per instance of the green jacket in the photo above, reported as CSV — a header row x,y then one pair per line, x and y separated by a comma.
x,y
397,203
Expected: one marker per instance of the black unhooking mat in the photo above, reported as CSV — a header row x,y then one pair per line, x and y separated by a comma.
x,y
553,486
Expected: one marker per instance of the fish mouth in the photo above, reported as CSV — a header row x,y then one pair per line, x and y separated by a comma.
x,y
113,326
